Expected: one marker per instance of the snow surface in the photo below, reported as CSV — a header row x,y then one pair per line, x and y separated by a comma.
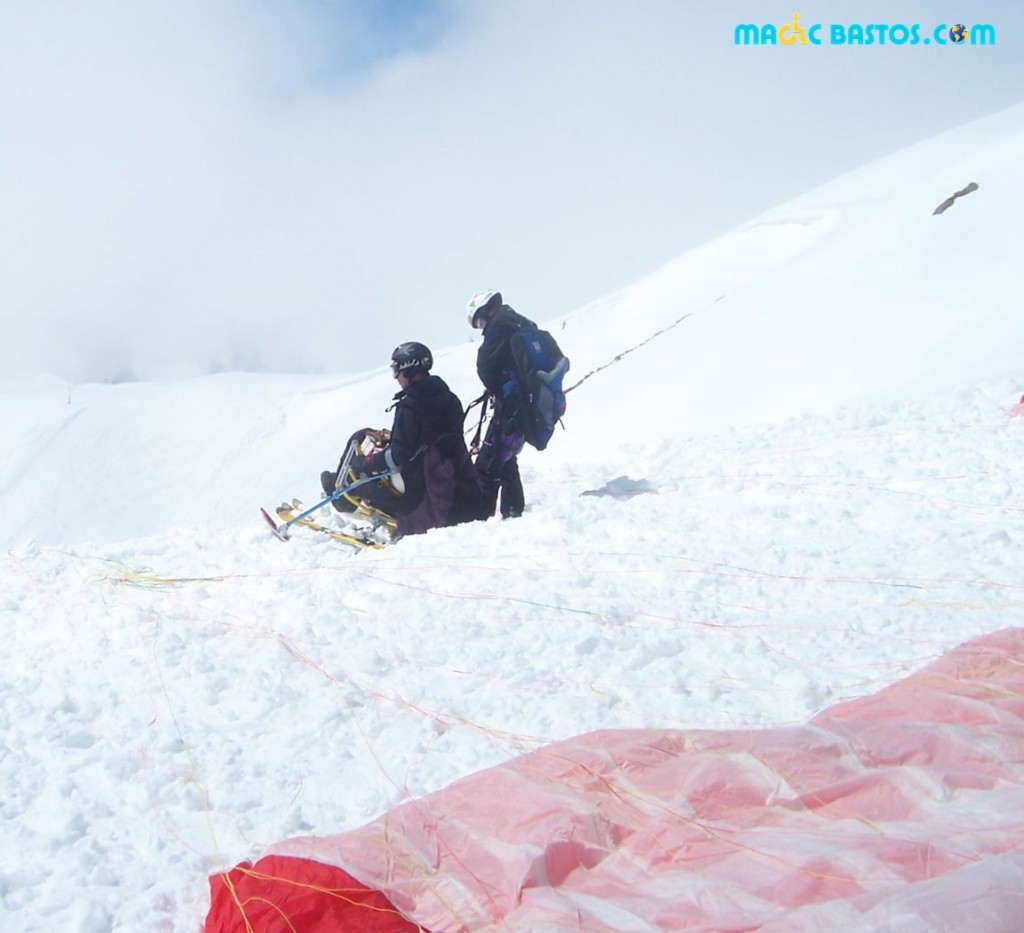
x,y
790,475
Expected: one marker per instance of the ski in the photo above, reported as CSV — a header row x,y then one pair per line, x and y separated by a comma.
x,y
357,537
279,532
377,529
292,514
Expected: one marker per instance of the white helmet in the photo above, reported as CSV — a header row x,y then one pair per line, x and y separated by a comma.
x,y
480,305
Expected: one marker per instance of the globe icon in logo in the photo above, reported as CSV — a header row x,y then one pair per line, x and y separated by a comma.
x,y
958,33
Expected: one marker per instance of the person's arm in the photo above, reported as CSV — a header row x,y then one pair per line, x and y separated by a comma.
x,y
403,445
493,359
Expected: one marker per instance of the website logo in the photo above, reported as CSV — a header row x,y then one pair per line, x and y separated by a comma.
x,y
795,33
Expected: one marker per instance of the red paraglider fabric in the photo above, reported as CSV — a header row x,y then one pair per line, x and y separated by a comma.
x,y
903,810
280,894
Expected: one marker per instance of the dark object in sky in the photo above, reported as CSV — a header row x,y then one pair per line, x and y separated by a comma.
x,y
973,186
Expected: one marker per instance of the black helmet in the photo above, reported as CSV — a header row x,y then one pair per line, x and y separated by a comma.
x,y
411,358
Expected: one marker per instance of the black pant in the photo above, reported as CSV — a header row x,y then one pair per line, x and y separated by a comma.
x,y
496,475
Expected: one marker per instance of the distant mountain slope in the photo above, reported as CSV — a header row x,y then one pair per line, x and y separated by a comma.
x,y
853,292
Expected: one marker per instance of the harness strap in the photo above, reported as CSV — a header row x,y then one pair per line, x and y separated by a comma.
x,y
474,446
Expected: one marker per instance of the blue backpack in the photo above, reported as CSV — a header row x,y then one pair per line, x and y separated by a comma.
x,y
540,367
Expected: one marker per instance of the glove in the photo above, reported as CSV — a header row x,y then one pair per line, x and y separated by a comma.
x,y
363,464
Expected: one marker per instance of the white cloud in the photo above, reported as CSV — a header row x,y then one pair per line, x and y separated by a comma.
x,y
191,187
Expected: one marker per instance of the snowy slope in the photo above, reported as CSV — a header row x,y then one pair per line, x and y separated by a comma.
x,y
826,495
854,292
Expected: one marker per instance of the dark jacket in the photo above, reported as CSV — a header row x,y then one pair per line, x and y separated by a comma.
x,y
494,366
494,358
428,447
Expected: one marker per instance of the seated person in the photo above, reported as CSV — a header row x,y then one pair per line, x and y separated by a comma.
x,y
426,450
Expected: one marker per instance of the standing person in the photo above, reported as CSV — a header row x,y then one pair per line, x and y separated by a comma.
x,y
427,450
497,462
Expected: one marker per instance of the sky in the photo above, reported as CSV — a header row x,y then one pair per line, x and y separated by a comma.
x,y
789,478
298,187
